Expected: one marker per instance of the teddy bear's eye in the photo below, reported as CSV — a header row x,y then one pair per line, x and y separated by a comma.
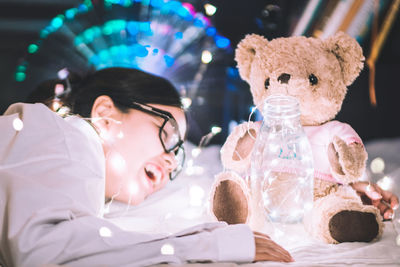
x,y
313,79
266,83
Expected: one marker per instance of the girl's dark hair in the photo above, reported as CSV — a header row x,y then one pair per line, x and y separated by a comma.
x,y
122,85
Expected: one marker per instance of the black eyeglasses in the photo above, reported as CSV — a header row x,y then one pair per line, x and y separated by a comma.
x,y
168,134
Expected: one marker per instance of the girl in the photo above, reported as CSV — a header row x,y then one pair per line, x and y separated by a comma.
x,y
125,143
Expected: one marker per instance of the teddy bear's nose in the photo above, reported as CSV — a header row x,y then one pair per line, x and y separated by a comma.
x,y
284,78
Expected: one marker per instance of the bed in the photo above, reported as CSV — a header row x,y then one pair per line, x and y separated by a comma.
x,y
183,203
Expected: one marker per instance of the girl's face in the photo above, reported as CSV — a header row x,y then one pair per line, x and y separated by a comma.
x,y
136,163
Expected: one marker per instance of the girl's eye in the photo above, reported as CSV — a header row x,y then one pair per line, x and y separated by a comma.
x,y
313,79
266,83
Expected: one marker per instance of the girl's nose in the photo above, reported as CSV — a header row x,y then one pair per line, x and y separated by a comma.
x,y
170,161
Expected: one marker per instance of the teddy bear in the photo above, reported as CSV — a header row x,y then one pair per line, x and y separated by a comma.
x,y
317,73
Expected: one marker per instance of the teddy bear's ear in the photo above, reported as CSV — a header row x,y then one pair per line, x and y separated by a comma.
x,y
349,53
246,51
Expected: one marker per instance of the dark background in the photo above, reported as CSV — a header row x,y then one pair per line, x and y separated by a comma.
x,y
226,96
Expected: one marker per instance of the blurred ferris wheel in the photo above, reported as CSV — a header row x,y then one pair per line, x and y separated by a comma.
x,y
166,38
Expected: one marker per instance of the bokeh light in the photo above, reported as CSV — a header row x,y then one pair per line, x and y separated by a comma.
x,y
18,124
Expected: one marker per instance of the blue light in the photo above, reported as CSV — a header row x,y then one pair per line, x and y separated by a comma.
x,y
169,61
178,35
232,72
222,42
95,60
155,51
56,22
139,50
199,23
82,8
211,31
132,27
104,55
145,28
157,3
70,13
183,12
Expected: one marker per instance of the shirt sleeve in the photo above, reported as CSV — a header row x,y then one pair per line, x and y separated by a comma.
x,y
62,234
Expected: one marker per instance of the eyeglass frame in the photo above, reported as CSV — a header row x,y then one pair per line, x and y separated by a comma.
x,y
166,116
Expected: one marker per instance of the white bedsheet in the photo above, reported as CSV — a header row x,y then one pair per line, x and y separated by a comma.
x,y
183,203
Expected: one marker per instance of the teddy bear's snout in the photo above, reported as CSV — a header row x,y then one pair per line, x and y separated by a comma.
x,y
284,78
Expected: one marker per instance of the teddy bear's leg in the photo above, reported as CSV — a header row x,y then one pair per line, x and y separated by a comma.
x,y
342,217
229,198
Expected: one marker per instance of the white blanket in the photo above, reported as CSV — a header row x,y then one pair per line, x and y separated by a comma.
x,y
183,203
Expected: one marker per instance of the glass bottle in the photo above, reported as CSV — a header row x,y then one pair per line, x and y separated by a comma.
x,y
282,171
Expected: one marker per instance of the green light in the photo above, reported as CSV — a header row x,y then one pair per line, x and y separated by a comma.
x,y
89,35
57,22
107,30
104,56
44,33
32,48
21,68
20,76
78,40
127,3
118,24
114,50
70,13
88,3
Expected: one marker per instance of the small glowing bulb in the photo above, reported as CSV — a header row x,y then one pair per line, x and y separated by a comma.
x,y
196,195
62,74
120,135
274,214
196,152
386,183
59,89
105,232
63,111
133,188
216,130
18,124
167,249
206,57
377,165
186,102
55,105
117,162
210,9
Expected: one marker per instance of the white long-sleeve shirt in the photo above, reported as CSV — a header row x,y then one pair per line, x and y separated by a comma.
x,y
52,176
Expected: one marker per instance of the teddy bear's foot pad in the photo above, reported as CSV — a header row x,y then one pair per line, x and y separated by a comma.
x,y
232,203
353,226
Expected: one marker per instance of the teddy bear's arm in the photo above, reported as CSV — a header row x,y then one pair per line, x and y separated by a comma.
x,y
347,160
236,151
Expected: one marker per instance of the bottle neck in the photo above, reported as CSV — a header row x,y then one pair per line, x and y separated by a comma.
x,y
281,108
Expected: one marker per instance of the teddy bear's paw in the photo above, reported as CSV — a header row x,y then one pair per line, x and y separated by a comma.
x,y
347,160
236,152
230,199
353,226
